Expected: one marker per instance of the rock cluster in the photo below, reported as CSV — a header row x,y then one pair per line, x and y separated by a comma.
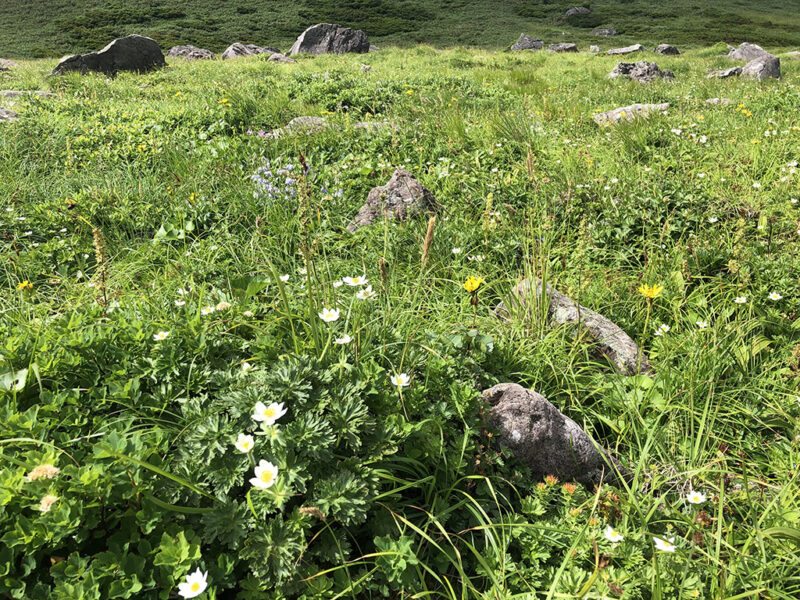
x,y
563,47
130,53
606,31
629,113
238,50
189,52
328,38
526,42
642,71
546,440
401,198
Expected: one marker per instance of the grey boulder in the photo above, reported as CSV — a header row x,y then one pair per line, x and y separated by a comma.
x,y
629,113
546,440
667,50
278,57
626,50
7,65
526,42
764,67
563,47
131,53
606,31
401,198
7,115
610,340
328,38
642,71
594,48
747,51
725,73
578,10
238,50
189,52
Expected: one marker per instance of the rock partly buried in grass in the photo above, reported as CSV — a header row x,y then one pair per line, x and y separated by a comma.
x,y
795,54
401,198
578,10
725,73
312,125
189,52
594,49
281,58
629,113
609,339
763,67
7,115
667,50
7,65
131,53
642,71
626,50
328,38
238,50
22,93
747,51
373,48
526,42
719,101
605,31
546,440
563,47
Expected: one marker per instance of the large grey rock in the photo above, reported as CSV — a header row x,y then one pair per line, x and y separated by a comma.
x,y
402,197
7,115
606,31
7,65
328,38
725,73
626,50
189,52
546,440
527,300
667,50
563,47
642,71
131,53
747,51
526,42
629,113
764,67
22,93
238,50
578,10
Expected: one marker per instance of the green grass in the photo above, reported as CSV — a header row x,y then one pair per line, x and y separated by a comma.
x,y
50,28
118,193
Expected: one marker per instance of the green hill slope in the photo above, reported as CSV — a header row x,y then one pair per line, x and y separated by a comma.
x,y
39,28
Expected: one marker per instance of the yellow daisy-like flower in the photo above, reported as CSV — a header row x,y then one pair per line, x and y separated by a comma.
x,y
651,291
473,283
24,286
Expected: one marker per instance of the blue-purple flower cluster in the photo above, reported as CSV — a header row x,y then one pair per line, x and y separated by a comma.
x,y
276,183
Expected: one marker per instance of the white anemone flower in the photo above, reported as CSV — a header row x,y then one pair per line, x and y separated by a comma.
x,y
354,281
456,250
329,314
664,545
180,303
195,584
266,473
345,339
702,324
774,296
245,443
207,310
161,335
612,535
366,293
401,380
740,299
696,497
268,414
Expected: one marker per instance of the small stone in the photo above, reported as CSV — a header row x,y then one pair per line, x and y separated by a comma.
x,y
719,101
526,42
629,113
563,47
594,49
238,50
626,50
578,10
725,73
7,115
281,58
373,48
764,67
605,31
401,198
667,50
546,440
7,65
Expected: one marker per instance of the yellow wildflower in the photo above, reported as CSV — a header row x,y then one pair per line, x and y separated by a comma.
x,y
651,291
473,283
24,286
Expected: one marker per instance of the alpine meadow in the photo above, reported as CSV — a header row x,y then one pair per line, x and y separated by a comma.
x,y
452,300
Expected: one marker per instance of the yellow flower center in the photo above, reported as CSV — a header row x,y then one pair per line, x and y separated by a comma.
x,y
269,413
266,476
195,586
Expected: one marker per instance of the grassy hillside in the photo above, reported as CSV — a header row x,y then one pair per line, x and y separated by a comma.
x,y
154,290
36,28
